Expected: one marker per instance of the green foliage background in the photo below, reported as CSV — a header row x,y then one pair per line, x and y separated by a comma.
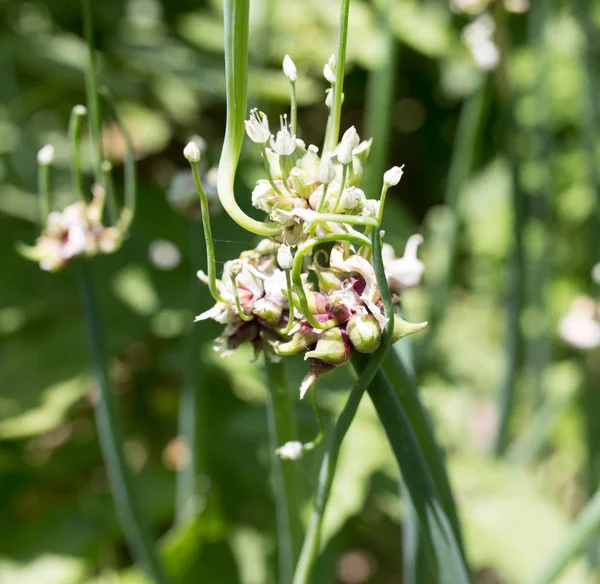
x,y
164,63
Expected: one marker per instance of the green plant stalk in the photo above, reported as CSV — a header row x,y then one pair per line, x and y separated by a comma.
x,y
401,378
235,14
379,102
91,80
312,541
192,411
75,121
583,532
333,128
110,435
293,108
286,473
515,341
208,239
465,148
109,189
44,191
416,568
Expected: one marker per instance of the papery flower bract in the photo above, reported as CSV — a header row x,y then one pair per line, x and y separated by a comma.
x,y
257,127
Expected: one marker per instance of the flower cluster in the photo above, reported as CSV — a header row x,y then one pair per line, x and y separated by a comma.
x,y
311,288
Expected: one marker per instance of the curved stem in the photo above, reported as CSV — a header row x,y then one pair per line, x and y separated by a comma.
x,y
110,435
44,191
297,269
312,542
77,115
333,129
236,295
268,170
236,75
290,298
208,239
348,219
286,473
342,187
109,192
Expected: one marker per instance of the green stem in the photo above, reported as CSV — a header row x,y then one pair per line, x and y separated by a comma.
x,y
379,101
77,115
110,435
208,239
515,336
319,415
584,531
268,170
44,191
236,75
293,108
342,187
297,270
109,190
368,371
238,305
192,412
290,298
93,101
347,219
333,129
286,473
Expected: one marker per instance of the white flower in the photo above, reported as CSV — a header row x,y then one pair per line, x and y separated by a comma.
x,y
46,155
329,98
407,271
580,327
284,143
290,451
285,259
392,177
351,137
330,69
479,38
263,196
257,127
192,152
289,68
370,208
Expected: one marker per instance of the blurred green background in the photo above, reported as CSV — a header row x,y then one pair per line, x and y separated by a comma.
x,y
503,162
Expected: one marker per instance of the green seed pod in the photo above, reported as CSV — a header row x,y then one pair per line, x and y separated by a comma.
x,y
403,328
364,333
331,348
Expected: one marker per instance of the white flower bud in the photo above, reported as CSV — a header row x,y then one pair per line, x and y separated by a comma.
x,y
192,153
326,170
284,143
329,98
289,68
352,198
351,137
235,268
370,208
263,196
290,450
392,177
285,259
80,110
344,153
330,69
257,127
46,155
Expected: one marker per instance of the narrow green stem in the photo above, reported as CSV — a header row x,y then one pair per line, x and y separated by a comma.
x,y
584,531
342,187
384,190
268,170
75,122
286,473
192,412
109,190
297,270
515,336
319,415
333,129
44,191
236,295
313,224
293,108
380,99
208,239
235,14
347,219
312,542
93,100
110,434
290,298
